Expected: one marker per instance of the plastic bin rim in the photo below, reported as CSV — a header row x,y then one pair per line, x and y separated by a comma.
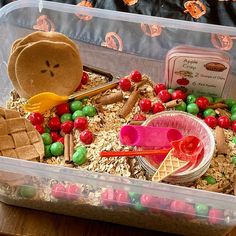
x,y
121,16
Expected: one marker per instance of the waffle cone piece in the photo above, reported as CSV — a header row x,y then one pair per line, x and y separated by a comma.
x,y
18,137
170,165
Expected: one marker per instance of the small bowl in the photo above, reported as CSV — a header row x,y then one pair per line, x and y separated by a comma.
x,y
187,124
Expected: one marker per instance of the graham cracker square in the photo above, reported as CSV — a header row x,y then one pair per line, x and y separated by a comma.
x,y
27,153
9,153
9,114
33,136
15,125
3,127
21,139
6,142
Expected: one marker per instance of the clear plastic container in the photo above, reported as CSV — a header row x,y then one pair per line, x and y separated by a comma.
x,y
98,196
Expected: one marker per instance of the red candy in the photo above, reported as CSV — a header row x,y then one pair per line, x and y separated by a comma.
x,y
108,197
62,109
158,88
148,201
81,123
72,191
178,206
189,211
125,84
157,107
67,126
122,197
85,78
58,191
136,76
224,122
215,216
54,123
145,105
61,140
211,121
164,95
39,128
202,103
86,137
55,136
79,87
179,94
139,117
36,118
234,126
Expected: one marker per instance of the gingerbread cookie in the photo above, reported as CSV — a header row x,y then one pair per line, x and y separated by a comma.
x,y
18,137
15,44
47,66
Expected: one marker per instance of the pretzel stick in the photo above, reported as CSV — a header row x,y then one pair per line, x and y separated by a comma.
x,y
66,148
222,112
217,105
71,150
111,98
221,145
173,103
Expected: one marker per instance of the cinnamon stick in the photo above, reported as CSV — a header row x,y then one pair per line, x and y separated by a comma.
x,y
111,98
222,112
173,103
136,122
222,147
71,146
67,148
127,108
217,105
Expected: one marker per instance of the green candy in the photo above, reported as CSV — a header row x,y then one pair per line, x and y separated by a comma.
x,y
76,105
77,113
181,107
230,102
79,158
210,179
47,152
209,112
47,130
233,116
66,117
210,99
191,98
233,160
134,197
218,100
171,90
27,191
89,111
234,140
139,207
57,149
47,139
192,108
82,150
233,109
201,209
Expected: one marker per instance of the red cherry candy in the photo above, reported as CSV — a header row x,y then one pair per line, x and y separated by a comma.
x,y
67,126
136,76
139,117
39,128
215,216
81,123
72,191
224,122
148,201
79,87
122,197
234,126
202,103
178,206
159,87
54,123
86,137
55,136
58,191
157,107
211,121
189,211
164,95
62,109
125,84
85,78
108,197
61,140
179,94
145,105
36,118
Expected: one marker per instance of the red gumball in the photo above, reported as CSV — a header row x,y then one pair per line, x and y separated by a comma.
x,y
136,76
81,123
54,123
148,201
55,136
67,126
139,117
86,137
125,84
177,206
122,197
72,191
58,191
159,87
39,128
164,95
211,121
179,94
145,105
85,78
62,109
189,211
215,216
79,87
61,140
108,197
36,118
202,103
224,122
157,107
233,126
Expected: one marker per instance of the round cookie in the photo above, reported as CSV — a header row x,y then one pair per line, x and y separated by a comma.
x,y
47,66
15,44
50,36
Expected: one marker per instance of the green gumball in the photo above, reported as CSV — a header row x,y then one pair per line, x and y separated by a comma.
x,y
89,111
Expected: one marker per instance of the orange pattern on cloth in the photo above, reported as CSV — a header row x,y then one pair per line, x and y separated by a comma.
x,y
130,2
43,23
85,17
151,30
223,42
195,8
113,41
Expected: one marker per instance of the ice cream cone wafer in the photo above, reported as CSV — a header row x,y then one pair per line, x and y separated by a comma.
x,y
169,166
